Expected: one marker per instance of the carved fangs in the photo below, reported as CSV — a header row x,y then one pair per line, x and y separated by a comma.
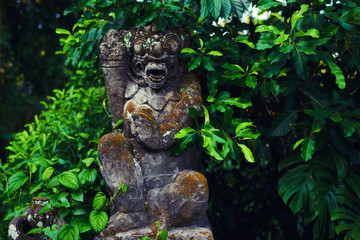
x,y
156,72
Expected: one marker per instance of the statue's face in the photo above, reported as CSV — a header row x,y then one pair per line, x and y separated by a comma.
x,y
155,58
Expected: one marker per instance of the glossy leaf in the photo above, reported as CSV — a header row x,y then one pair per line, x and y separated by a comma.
x,y
98,220
247,153
99,201
16,181
47,173
69,180
298,14
68,232
282,122
307,149
339,76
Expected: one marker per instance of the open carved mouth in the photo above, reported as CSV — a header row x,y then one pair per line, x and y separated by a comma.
x,y
156,72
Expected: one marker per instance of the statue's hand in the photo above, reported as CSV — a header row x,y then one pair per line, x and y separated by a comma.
x,y
144,128
112,49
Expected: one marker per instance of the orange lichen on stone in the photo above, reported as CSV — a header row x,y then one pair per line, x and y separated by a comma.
x,y
191,183
116,144
147,113
129,108
165,127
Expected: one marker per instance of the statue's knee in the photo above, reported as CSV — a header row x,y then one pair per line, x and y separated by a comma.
x,y
193,185
115,145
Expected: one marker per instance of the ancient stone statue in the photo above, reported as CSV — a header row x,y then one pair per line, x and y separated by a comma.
x,y
150,90
20,226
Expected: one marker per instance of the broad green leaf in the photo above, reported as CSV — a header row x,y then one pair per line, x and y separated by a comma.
x,y
68,232
184,131
282,38
87,176
247,133
207,118
216,136
242,126
274,87
247,153
118,123
330,30
237,102
250,44
298,143
78,196
214,7
124,189
36,230
339,76
226,7
281,125
295,184
266,41
267,4
336,117
208,63
301,64
188,50
69,180
201,43
163,234
98,220
88,161
206,141
194,62
251,81
99,201
16,181
204,11
307,148
312,32
47,173
62,31
240,6
213,150
181,144
46,208
277,15
214,53
298,14
268,28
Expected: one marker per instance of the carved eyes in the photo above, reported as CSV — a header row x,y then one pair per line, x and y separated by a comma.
x,y
173,46
139,48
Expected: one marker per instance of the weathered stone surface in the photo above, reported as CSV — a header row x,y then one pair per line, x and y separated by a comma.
x,y
188,233
148,88
19,226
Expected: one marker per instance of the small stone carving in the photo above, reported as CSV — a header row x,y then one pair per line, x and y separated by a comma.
x,y
150,90
20,226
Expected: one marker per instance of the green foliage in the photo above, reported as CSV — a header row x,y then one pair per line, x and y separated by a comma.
x,y
58,159
280,90
163,234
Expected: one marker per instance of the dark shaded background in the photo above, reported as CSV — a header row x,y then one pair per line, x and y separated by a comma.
x,y
29,69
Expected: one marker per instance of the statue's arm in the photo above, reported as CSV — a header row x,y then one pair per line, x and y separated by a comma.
x,y
114,61
179,117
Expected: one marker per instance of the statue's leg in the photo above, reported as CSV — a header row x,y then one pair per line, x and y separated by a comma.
x,y
182,202
118,162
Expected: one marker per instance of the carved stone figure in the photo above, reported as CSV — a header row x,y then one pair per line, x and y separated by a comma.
x,y
19,226
150,90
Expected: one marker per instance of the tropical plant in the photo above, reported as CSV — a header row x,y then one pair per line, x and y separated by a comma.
x,y
280,83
